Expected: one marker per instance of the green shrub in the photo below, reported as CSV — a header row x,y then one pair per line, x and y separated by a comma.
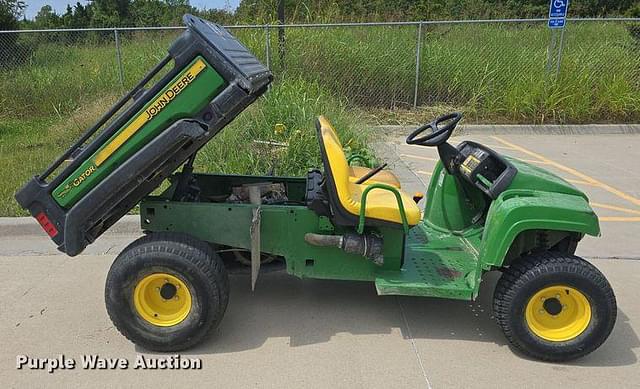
x,y
28,145
295,103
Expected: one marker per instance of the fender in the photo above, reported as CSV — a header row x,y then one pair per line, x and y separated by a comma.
x,y
518,210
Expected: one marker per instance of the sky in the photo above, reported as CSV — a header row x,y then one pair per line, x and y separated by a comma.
x,y
33,6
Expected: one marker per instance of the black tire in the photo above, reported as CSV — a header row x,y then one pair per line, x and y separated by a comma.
x,y
529,275
192,261
243,257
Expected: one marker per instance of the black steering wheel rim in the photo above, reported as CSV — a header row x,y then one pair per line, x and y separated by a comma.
x,y
439,134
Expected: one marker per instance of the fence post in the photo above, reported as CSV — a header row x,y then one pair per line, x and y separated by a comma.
x,y
281,38
119,56
267,46
417,80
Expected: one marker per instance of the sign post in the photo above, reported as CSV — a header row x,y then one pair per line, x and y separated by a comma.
x,y
557,20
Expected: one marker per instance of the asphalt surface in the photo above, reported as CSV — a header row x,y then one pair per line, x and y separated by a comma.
x,y
312,333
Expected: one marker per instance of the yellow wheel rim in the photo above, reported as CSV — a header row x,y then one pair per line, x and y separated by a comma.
x,y
162,299
558,313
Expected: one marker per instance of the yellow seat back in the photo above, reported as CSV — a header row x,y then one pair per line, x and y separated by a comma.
x,y
339,167
355,172
381,204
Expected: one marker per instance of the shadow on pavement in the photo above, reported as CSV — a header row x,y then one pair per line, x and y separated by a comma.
x,y
313,311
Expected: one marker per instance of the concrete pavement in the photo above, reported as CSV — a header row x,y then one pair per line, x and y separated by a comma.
x,y
315,333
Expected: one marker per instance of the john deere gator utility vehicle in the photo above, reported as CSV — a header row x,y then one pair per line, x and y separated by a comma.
x,y
483,211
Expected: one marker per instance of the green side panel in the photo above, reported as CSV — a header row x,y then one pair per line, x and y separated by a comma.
x,y
282,233
437,264
187,103
535,200
451,204
518,210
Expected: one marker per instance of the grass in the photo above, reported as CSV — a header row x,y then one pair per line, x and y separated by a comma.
x,y
28,146
356,76
493,72
295,103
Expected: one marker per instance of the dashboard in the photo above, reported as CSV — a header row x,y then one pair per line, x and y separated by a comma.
x,y
484,168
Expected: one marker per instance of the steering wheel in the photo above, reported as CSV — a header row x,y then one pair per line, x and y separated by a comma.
x,y
439,132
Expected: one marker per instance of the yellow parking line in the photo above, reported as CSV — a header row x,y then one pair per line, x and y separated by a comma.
x,y
423,172
491,146
615,208
456,144
419,157
574,172
422,147
624,219
534,161
581,182
500,147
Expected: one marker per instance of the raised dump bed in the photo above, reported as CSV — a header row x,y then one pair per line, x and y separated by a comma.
x,y
131,149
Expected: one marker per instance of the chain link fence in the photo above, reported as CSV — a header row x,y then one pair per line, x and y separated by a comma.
x,y
495,71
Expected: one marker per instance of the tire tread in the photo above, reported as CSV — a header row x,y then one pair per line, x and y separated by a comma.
x,y
537,265
193,250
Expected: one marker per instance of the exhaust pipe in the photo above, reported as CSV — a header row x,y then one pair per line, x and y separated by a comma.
x,y
367,245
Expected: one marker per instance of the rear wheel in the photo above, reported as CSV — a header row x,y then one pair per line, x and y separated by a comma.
x,y
244,257
166,291
554,307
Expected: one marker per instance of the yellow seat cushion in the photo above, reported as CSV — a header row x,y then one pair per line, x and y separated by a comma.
x,y
383,177
381,204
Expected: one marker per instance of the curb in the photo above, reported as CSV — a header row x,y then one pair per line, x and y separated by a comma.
x,y
531,129
28,226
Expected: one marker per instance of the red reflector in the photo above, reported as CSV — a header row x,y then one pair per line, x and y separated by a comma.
x,y
46,224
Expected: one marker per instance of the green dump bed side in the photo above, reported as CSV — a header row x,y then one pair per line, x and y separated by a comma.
x,y
185,95
133,147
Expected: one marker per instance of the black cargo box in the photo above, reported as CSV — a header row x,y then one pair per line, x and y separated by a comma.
x,y
114,166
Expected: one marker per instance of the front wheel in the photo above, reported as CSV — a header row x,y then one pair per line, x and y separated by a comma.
x,y
166,291
554,307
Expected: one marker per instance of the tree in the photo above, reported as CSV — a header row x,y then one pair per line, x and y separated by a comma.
x,y
82,16
67,17
47,18
110,13
220,16
601,8
147,12
10,13
263,11
159,12
175,10
634,12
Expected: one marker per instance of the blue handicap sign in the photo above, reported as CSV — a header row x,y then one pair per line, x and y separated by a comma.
x,y
556,23
558,9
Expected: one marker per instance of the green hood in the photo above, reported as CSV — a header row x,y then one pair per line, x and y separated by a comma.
x,y
533,177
